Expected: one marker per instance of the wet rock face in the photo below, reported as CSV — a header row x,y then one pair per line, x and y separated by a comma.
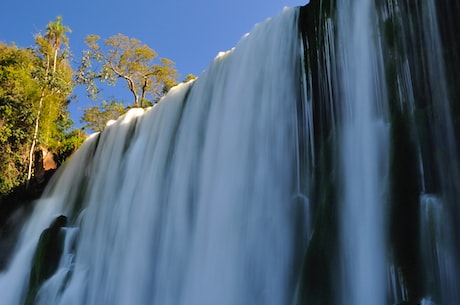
x,y
47,257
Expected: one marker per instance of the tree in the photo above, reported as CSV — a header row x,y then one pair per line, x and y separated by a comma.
x,y
19,91
147,77
55,36
67,139
96,117
188,78
56,84
35,84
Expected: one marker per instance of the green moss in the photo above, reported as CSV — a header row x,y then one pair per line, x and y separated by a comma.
x,y
46,258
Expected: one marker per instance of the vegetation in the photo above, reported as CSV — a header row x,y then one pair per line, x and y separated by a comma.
x,y
147,76
96,117
121,57
35,84
54,81
35,88
19,92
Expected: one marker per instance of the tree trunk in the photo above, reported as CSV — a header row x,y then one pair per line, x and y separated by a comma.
x,y
40,106
55,59
132,88
144,91
34,140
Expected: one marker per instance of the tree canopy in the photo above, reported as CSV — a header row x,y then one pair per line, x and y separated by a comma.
x,y
146,76
35,85
18,94
96,117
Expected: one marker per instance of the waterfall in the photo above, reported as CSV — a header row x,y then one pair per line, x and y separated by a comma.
x,y
190,202
314,163
364,150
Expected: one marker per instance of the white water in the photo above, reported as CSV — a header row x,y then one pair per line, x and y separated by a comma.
x,y
200,200
190,202
363,154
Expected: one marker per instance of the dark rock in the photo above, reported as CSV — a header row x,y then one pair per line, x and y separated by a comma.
x,y
47,257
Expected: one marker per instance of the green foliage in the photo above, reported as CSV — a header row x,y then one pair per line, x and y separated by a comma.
x,y
34,87
18,94
96,117
67,139
55,33
147,77
188,78
56,83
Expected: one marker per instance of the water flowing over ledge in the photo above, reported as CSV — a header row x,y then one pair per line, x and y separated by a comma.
x,y
314,163
188,203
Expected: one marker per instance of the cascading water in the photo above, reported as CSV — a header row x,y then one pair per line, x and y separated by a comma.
x,y
419,87
190,202
302,167
364,150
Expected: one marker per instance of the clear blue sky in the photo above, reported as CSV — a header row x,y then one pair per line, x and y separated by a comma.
x,y
190,33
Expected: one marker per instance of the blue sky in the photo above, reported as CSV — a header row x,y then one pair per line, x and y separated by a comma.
x,y
190,33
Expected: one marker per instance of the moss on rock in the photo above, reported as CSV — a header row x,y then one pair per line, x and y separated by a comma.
x,y
46,258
